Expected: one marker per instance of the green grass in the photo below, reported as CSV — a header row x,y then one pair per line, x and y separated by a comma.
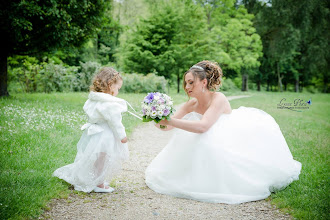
x,y
39,133
307,135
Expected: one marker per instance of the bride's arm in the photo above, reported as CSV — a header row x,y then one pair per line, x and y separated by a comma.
x,y
209,118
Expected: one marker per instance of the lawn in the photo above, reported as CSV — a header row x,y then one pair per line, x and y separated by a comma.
x,y
39,133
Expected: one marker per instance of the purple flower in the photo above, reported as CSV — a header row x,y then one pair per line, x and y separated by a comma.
x,y
166,112
153,108
149,98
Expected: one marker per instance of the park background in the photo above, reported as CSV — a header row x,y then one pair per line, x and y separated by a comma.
x,y
269,50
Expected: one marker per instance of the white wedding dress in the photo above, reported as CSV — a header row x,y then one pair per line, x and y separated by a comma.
x,y
243,157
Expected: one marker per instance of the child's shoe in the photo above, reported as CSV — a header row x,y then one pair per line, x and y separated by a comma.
x,y
103,190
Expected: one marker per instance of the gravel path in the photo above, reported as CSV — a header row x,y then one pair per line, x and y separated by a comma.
x,y
132,199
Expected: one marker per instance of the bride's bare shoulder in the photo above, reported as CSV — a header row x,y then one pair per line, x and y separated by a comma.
x,y
221,100
190,104
220,97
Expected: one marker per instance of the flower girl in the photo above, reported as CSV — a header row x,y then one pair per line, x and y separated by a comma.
x,y
103,145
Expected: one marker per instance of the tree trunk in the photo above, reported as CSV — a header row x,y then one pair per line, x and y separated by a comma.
x,y
268,85
34,82
244,82
3,75
259,85
325,84
280,86
297,84
209,20
178,75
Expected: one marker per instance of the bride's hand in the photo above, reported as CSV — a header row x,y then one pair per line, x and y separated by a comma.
x,y
163,122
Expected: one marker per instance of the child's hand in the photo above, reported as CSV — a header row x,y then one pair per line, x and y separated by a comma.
x,y
124,140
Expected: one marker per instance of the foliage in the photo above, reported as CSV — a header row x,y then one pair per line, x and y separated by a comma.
x,y
35,26
138,83
228,85
51,76
295,45
167,37
108,38
100,47
85,76
168,42
174,37
41,26
236,45
57,78
25,70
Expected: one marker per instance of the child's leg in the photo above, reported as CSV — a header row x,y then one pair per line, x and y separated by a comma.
x,y
99,167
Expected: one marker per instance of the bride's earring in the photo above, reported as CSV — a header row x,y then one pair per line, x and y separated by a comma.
x,y
203,89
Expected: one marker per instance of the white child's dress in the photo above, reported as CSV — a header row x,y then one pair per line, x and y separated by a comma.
x,y
243,157
100,151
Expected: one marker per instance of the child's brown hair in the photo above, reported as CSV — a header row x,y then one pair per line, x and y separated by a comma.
x,y
103,80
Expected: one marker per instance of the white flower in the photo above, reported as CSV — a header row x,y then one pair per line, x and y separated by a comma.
x,y
162,107
147,113
156,97
167,97
153,114
170,103
160,113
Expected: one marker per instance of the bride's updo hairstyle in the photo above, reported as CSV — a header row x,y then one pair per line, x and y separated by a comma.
x,y
206,70
103,80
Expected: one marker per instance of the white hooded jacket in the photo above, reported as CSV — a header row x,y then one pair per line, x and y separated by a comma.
x,y
101,107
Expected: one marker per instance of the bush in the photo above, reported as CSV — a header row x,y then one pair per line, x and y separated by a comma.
x,y
312,89
84,77
25,71
228,85
138,83
54,76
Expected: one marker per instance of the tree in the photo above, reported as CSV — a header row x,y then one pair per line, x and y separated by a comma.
x,y
295,40
108,39
168,42
211,8
33,27
236,44
312,20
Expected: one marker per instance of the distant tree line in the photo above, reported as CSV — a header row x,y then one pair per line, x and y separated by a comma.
x,y
274,45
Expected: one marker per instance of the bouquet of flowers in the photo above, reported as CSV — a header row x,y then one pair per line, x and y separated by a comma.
x,y
156,107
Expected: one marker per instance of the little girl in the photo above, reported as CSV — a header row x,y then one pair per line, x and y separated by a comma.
x,y
103,146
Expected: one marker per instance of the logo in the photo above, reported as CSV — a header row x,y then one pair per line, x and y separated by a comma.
x,y
297,105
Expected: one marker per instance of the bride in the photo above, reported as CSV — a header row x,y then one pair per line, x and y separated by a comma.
x,y
217,154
